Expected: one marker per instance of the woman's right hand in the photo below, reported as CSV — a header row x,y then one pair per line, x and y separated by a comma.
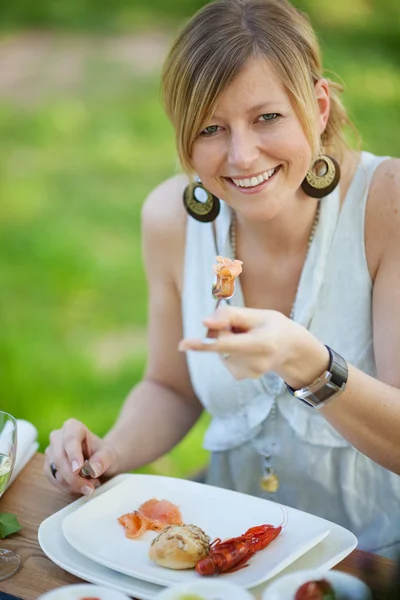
x,y
69,447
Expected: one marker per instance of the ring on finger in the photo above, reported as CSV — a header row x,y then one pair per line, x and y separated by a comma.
x,y
53,469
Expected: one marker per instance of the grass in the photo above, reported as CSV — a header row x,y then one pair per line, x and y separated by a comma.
x,y
74,175
75,167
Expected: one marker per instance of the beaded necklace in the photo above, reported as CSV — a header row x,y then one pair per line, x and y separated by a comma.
x,y
269,481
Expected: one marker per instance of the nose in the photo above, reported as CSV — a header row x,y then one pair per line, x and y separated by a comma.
x,y
243,151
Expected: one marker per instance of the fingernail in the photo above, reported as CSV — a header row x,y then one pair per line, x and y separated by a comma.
x,y
87,490
75,466
96,468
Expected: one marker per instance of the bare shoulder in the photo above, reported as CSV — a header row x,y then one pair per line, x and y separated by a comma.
x,y
386,181
163,207
382,226
164,227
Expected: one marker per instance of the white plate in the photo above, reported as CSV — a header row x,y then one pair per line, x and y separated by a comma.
x,y
334,548
344,585
206,589
79,591
94,530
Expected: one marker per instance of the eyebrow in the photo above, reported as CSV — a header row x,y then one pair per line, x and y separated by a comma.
x,y
264,106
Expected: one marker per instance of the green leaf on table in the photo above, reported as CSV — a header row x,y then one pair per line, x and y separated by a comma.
x,y
8,525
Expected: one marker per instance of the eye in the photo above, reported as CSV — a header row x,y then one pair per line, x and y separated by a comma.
x,y
210,130
268,117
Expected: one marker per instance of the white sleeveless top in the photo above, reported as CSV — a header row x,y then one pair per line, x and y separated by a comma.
x,y
319,471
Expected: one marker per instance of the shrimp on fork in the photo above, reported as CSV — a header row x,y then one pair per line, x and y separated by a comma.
x,y
226,272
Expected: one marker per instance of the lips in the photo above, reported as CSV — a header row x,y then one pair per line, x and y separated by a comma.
x,y
254,182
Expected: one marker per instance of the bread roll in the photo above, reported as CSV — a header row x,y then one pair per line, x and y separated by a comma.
x,y
179,546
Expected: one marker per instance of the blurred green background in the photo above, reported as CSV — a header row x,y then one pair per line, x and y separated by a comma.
x,y
83,139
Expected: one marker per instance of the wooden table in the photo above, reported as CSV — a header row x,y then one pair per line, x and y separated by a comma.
x,y
33,499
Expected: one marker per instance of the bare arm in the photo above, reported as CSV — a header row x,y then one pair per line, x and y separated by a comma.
x,y
368,413
163,407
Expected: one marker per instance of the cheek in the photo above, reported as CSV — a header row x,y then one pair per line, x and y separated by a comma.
x,y
302,150
290,144
206,162
303,160
204,158
301,156
209,154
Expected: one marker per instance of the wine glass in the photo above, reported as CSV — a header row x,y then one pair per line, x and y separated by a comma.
x,y
10,562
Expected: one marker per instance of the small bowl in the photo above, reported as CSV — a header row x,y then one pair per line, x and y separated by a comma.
x,y
78,591
345,586
207,589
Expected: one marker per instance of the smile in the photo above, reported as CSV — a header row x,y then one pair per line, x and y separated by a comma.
x,y
256,182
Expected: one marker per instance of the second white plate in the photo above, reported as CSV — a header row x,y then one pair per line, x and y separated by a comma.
x,y
94,530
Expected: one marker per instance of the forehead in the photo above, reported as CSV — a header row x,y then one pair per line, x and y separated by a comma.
x,y
257,83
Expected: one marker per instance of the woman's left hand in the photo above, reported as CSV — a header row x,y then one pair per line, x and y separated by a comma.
x,y
252,342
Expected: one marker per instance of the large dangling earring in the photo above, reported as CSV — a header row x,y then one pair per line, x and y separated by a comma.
x,y
322,177
200,203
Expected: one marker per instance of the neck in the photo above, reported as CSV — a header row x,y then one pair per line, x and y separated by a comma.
x,y
287,233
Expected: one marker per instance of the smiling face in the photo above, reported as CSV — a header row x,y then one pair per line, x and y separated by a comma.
x,y
253,153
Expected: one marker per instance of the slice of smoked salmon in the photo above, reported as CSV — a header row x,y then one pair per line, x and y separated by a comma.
x,y
134,524
153,514
161,510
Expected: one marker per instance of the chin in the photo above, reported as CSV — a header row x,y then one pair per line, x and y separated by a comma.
x,y
263,206
261,210
259,215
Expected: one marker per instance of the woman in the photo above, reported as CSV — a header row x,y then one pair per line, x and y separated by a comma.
x,y
262,129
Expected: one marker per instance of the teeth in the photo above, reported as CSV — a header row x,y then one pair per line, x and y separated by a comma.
x,y
253,181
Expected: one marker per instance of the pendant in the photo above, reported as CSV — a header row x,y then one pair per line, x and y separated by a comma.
x,y
269,481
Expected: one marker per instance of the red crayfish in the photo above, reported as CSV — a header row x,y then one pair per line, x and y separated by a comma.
x,y
234,554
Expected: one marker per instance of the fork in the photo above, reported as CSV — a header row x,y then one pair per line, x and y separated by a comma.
x,y
87,471
212,334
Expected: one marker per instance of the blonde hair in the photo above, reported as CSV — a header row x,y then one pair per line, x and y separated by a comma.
x,y
215,45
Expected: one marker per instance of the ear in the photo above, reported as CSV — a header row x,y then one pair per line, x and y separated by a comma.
x,y
323,100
